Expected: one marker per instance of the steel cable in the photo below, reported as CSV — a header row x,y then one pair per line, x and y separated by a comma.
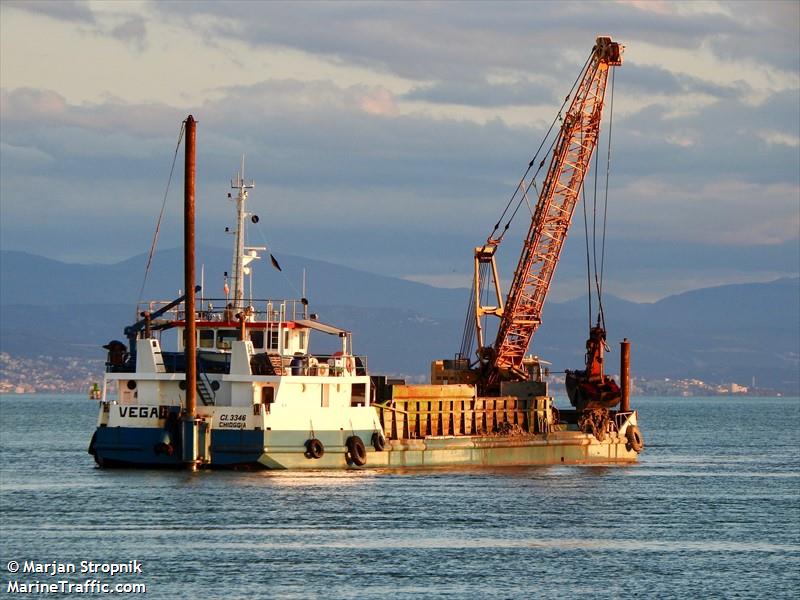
x,y
536,155
160,215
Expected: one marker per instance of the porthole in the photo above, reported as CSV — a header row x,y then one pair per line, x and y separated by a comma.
x,y
215,385
131,384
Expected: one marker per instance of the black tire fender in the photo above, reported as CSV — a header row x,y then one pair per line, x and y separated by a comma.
x,y
378,441
356,451
314,448
635,439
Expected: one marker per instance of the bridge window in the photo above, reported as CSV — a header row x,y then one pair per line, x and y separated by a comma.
x,y
257,337
206,338
225,337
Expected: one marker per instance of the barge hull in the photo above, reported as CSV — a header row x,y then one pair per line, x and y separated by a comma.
x,y
282,450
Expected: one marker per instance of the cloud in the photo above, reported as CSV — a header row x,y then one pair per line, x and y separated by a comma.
x,y
326,151
480,92
725,212
781,138
656,80
775,23
16,155
73,11
25,109
132,31
128,28
443,40
379,102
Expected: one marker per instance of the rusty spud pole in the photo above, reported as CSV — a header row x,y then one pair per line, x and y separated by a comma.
x,y
189,421
188,267
625,375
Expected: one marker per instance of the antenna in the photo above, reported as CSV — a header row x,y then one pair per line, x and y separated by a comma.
x,y
240,183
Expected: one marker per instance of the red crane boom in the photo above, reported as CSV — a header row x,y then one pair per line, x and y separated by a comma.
x,y
522,313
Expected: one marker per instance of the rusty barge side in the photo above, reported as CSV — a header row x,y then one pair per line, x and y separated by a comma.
x,y
430,425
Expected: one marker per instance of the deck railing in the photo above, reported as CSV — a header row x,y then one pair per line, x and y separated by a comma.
x,y
217,309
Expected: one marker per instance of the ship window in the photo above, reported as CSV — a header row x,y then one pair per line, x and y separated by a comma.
x,y
225,337
302,340
257,337
272,341
267,394
286,340
206,338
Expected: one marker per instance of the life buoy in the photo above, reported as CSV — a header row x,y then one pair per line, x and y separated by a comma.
x,y
314,448
356,452
378,442
635,439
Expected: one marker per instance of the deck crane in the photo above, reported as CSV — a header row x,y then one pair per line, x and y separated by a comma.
x,y
521,314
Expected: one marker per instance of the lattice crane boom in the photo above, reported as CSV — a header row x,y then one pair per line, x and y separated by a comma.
x,y
522,313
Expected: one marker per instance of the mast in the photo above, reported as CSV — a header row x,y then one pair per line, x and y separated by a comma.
x,y
239,261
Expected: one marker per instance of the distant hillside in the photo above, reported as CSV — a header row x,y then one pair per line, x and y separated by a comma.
x,y
725,333
29,279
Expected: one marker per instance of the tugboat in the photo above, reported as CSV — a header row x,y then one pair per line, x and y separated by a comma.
x,y
242,388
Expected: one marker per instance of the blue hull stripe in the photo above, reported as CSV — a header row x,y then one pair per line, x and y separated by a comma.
x,y
138,446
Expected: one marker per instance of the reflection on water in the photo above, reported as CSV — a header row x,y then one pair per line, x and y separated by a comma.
x,y
317,479
712,509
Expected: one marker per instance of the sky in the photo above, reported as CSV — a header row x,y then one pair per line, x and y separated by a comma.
x,y
389,136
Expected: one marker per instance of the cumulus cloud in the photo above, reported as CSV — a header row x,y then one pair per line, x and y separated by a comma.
x,y
29,109
132,30
75,11
729,212
775,22
653,79
336,146
438,40
379,102
480,92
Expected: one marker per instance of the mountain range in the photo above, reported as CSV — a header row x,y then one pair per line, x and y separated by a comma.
x,y
723,333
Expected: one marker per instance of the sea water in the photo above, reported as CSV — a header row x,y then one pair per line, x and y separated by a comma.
x,y
712,509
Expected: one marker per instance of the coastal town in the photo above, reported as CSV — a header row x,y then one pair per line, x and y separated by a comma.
x,y
48,374
69,375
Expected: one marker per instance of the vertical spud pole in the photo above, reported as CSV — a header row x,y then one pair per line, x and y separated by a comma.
x,y
190,349
625,375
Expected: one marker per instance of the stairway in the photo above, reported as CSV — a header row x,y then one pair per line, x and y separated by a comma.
x,y
205,392
204,389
